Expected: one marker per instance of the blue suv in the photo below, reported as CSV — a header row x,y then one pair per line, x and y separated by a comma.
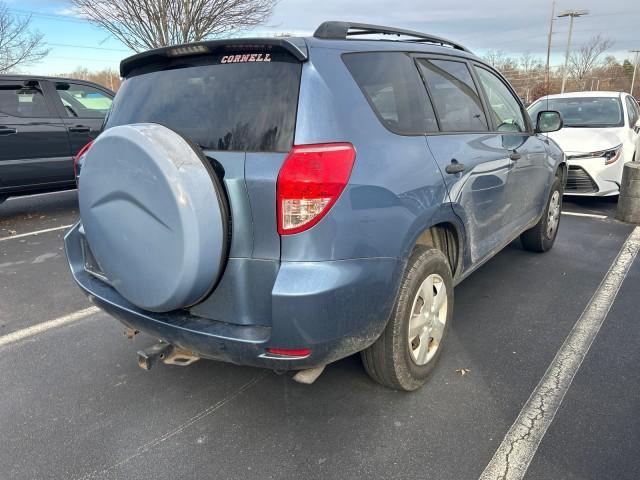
x,y
287,202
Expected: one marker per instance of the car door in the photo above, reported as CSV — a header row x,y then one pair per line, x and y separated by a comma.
x,y
633,114
83,109
531,174
34,147
472,159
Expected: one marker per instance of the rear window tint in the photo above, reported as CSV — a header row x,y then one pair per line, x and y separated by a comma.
x,y
218,104
22,101
454,95
393,87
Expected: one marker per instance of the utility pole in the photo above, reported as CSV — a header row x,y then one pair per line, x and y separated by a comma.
x,y
571,14
635,68
546,75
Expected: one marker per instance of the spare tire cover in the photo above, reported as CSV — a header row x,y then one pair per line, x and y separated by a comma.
x,y
152,216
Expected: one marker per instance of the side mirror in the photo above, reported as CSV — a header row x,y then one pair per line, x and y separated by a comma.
x,y
548,121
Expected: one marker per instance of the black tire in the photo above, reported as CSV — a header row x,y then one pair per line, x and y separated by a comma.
x,y
389,360
537,239
3,198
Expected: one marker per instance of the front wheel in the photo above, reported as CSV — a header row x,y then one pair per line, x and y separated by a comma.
x,y
408,349
541,237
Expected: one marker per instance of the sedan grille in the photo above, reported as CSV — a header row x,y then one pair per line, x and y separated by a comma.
x,y
579,181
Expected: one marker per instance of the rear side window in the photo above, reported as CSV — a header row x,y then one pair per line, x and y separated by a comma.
x,y
394,90
239,102
454,95
83,101
22,101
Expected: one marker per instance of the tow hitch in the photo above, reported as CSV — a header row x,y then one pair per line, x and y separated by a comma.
x,y
165,353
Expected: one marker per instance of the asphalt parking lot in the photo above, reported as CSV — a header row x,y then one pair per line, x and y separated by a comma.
x,y
74,404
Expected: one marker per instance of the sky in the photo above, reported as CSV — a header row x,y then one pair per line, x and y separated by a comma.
x,y
513,26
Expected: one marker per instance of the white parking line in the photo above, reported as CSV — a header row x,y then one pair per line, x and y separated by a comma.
x,y
37,232
578,214
44,326
39,194
512,459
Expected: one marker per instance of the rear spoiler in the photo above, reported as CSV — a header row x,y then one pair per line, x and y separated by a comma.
x,y
296,46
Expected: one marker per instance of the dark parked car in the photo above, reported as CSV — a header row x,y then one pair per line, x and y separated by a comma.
x,y
286,202
44,122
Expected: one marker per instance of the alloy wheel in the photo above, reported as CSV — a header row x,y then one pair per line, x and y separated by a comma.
x,y
428,318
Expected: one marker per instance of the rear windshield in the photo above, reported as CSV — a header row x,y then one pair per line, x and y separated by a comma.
x,y
588,112
244,102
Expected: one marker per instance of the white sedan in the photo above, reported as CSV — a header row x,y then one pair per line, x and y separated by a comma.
x,y
601,133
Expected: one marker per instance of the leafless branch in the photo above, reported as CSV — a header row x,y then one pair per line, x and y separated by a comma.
x,y
586,58
501,61
530,64
144,24
19,45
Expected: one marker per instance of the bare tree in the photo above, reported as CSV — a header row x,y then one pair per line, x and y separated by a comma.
x,y
108,77
586,58
144,24
529,72
530,64
19,45
498,59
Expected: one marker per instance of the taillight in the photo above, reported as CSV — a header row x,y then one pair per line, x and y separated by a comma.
x,y
289,352
310,182
79,155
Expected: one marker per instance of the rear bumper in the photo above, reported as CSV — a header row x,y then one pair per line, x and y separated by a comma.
x,y
334,308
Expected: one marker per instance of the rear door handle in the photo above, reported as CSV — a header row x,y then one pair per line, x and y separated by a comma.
x,y
515,156
454,167
8,131
79,129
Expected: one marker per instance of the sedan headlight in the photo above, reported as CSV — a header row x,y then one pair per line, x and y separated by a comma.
x,y
610,156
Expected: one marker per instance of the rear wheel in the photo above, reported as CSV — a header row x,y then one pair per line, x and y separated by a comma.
x,y
541,237
408,349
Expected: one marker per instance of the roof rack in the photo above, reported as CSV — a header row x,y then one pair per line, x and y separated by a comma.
x,y
343,30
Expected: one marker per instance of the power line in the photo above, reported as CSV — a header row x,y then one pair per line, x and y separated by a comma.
x,y
564,32
90,48
51,16
65,18
84,59
614,14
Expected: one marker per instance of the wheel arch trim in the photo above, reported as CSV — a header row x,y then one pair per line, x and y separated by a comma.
x,y
444,219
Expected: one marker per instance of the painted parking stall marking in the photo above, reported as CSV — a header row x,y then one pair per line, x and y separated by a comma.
x,y
45,326
35,195
578,214
37,232
512,459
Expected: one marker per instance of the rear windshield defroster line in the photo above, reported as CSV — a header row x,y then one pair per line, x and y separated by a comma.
x,y
245,101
